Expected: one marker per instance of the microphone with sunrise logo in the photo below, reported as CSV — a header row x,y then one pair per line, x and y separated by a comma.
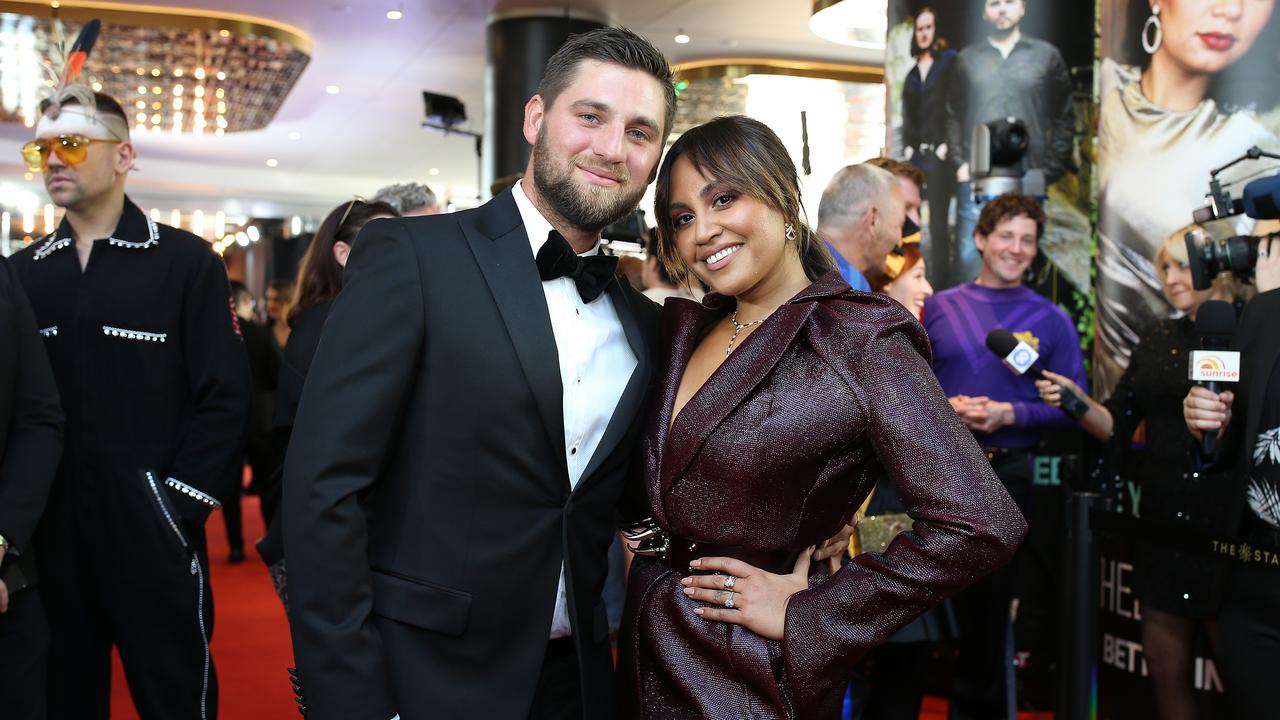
x,y
1214,364
1022,359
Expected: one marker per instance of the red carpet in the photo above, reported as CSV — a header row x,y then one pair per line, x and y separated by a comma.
x,y
250,637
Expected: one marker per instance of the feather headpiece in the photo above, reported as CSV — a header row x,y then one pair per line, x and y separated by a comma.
x,y
66,68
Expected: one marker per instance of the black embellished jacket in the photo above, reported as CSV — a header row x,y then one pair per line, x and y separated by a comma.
x,y
149,363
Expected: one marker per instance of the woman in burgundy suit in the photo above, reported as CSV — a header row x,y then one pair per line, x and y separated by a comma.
x,y
786,397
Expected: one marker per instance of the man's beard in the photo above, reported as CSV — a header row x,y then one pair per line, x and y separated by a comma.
x,y
590,209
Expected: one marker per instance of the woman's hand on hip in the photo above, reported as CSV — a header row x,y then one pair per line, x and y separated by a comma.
x,y
746,595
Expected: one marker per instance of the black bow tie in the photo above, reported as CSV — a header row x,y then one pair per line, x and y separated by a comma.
x,y
556,259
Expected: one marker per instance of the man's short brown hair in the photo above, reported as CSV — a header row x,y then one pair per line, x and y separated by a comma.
x,y
900,169
1007,207
615,45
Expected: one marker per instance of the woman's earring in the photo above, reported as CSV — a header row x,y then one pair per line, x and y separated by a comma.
x,y
1152,28
789,231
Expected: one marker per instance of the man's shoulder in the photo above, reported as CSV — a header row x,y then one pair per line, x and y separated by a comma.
x,y
1040,45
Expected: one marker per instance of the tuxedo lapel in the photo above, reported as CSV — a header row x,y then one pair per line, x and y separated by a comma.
x,y
633,395
501,248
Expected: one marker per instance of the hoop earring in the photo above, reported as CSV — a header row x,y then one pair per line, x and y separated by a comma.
x,y
1151,45
789,231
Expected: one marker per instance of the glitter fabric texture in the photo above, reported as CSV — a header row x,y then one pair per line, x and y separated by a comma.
x,y
777,451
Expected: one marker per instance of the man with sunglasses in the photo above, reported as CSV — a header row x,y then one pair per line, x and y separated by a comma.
x,y
154,380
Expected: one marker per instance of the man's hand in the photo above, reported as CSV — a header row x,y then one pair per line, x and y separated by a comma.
x,y
1204,410
835,547
963,404
962,173
988,416
1267,269
759,599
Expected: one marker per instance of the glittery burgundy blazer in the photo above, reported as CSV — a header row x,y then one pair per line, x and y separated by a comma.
x,y
777,451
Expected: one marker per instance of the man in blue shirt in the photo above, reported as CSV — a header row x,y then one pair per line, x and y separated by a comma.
x,y
860,218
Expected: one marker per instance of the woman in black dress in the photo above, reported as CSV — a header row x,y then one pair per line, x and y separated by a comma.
x,y
924,130
1177,590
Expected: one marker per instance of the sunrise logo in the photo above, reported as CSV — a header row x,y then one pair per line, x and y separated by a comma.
x,y
1223,367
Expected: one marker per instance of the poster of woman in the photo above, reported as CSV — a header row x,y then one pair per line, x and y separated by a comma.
x,y
1186,86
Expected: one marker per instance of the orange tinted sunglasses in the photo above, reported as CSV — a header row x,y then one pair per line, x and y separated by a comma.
x,y
71,149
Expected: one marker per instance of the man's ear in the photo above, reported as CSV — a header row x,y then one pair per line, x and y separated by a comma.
x,y
534,114
980,241
126,154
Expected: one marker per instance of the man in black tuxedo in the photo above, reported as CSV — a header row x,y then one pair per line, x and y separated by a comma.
x,y
465,433
30,446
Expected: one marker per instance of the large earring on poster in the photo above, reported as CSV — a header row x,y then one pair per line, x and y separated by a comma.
x,y
1152,33
789,231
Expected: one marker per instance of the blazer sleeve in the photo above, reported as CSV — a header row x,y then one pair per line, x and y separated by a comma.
x,y
217,369
965,523
33,446
352,404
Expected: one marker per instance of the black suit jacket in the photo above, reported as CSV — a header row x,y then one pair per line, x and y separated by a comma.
x,y
436,385
30,420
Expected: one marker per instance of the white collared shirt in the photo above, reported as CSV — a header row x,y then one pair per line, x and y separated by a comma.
x,y
596,362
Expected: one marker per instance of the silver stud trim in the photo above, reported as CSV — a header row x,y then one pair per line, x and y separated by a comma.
x,y
52,246
193,493
51,331
134,334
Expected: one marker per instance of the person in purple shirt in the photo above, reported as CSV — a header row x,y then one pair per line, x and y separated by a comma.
x,y
1004,412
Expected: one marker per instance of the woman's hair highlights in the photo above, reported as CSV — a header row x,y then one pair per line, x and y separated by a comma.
x,y
747,155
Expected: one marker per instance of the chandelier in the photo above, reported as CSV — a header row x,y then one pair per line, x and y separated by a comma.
x,y
173,73
860,23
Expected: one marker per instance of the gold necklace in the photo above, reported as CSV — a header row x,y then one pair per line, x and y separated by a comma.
x,y
738,328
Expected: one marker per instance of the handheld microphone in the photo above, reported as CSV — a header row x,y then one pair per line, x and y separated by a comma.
x,y
1262,198
1214,365
1022,359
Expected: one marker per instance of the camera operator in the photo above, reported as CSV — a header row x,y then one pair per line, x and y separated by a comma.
x,y
1248,458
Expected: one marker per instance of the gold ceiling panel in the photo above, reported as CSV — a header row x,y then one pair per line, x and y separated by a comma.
x,y
174,70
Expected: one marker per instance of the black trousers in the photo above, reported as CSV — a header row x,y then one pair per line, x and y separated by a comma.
x,y
1248,650
979,690
24,650
232,516
113,573
559,693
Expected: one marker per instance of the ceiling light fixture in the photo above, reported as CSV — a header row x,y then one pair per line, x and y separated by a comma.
x,y
394,14
256,62
295,135
332,89
681,37
433,171
272,162
858,23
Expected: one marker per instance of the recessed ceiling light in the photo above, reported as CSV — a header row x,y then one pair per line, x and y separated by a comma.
x,y
433,171
272,162
295,135
394,14
681,37
332,89
28,176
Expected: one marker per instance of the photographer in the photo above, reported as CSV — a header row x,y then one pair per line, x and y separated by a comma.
x,y
1248,460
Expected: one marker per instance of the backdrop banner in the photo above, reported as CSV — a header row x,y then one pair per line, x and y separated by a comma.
x,y
952,64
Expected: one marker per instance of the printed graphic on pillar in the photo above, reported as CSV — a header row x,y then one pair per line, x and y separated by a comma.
x,y
1185,87
954,65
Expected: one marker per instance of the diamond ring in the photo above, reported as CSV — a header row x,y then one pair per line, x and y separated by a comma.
x,y
729,582
729,601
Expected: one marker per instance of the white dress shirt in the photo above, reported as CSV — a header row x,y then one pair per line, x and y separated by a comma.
x,y
596,362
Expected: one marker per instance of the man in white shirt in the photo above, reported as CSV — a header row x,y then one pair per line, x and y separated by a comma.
x,y
464,439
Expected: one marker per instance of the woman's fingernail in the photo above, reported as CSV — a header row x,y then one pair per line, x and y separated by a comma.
x,y
696,563
698,611
686,581
689,591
